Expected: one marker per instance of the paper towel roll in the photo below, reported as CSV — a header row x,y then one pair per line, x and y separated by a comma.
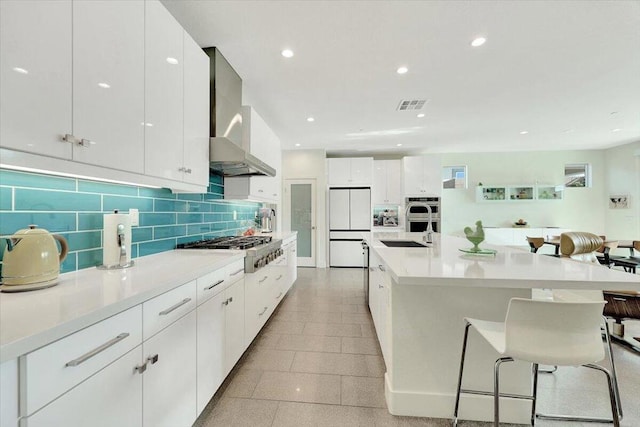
x,y
111,249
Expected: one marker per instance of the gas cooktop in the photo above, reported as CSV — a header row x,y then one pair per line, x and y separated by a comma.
x,y
231,242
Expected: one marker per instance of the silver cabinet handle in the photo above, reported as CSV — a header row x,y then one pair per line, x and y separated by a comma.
x,y
278,297
381,267
174,307
182,169
279,277
214,285
260,191
70,139
188,170
380,287
225,302
103,347
152,359
263,279
263,311
85,143
237,272
141,368
231,299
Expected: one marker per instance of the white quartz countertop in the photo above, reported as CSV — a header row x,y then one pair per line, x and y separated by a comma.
x,y
29,320
443,264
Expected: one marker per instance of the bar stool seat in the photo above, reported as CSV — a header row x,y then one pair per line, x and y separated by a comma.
x,y
541,332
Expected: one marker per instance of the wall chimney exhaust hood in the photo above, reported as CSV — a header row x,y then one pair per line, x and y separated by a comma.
x,y
226,155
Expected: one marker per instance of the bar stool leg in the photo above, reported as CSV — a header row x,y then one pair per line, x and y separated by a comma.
x,y
496,389
616,389
464,350
534,369
612,396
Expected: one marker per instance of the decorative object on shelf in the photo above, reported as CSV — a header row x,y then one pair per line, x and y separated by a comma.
x,y
618,201
476,237
520,223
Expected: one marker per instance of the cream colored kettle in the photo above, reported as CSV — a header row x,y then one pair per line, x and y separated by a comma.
x,y
31,258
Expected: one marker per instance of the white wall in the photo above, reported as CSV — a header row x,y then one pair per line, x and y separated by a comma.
x,y
623,177
308,164
582,208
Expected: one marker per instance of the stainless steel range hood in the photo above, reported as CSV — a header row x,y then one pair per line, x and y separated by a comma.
x,y
226,154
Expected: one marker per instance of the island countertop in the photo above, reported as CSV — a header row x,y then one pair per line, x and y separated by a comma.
x,y
443,264
29,320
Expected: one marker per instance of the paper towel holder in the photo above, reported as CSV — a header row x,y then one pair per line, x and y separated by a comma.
x,y
120,229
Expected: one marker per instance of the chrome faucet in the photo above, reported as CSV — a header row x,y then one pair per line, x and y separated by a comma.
x,y
428,233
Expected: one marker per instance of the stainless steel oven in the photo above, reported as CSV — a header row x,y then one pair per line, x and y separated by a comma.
x,y
418,216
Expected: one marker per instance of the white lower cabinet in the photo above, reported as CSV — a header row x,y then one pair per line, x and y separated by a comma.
x,y
234,325
9,393
379,300
210,339
112,397
169,382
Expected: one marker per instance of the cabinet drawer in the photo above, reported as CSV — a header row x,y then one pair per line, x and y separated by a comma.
x,y
235,271
212,284
111,397
57,367
163,310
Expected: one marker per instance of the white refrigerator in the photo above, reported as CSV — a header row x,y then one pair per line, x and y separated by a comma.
x,y
349,222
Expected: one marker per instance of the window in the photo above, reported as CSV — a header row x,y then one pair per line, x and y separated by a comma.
x,y
577,175
454,177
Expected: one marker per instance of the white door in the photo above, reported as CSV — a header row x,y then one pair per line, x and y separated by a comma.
x,y
301,195
35,76
339,209
108,83
359,209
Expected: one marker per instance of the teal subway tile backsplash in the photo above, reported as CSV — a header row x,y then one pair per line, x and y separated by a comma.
x,y
75,209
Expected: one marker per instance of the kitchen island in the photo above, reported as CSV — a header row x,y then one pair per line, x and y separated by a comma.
x,y
419,298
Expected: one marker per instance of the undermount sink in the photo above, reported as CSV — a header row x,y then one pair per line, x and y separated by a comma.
x,y
402,244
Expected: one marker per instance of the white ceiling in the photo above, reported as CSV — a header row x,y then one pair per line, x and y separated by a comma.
x,y
558,70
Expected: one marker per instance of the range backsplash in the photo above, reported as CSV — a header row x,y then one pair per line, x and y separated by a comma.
x,y
74,208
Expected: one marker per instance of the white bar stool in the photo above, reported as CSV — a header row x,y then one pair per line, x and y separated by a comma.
x,y
541,332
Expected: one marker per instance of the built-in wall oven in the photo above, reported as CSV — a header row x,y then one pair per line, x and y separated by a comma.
x,y
418,216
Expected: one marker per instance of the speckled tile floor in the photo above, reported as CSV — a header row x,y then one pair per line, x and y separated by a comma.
x,y
315,363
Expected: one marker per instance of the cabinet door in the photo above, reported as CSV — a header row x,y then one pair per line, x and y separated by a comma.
x,y
383,311
169,384
432,181
210,338
361,170
35,76
293,263
379,189
339,209
413,175
345,253
360,211
196,113
339,171
9,393
394,182
163,106
112,397
234,325
108,83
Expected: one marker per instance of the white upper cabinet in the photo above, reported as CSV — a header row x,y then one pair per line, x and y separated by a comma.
x,y
422,175
35,76
263,143
196,113
108,83
164,96
355,171
387,182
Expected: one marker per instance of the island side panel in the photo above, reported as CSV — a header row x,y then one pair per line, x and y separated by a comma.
x,y
426,331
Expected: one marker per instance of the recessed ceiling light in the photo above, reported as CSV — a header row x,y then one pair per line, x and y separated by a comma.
x,y
20,70
172,61
402,70
479,41
616,130
524,132
104,85
311,119
287,53
398,145
421,115
297,145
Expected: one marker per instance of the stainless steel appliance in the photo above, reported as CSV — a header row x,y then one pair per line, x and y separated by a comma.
x,y
365,252
226,155
349,221
261,250
417,215
267,220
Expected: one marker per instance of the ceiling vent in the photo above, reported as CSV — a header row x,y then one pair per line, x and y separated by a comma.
x,y
411,104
